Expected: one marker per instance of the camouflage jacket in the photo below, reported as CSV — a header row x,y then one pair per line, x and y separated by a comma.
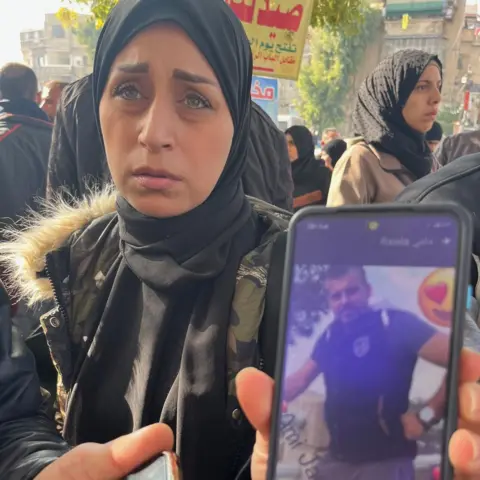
x,y
69,256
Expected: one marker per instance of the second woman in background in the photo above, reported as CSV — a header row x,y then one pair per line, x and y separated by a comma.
x,y
310,178
396,105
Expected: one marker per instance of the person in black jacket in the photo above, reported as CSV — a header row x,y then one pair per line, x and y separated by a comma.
x,y
77,160
25,136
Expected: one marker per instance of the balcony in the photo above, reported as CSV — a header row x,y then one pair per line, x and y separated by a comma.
x,y
415,8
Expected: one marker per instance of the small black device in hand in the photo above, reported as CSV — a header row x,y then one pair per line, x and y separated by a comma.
x,y
164,467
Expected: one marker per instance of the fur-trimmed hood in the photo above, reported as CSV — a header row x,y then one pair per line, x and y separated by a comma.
x,y
22,257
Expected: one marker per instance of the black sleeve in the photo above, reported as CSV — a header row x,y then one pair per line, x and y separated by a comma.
x,y
62,173
28,438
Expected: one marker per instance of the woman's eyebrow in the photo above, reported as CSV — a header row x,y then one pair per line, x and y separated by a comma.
x,y
192,78
133,67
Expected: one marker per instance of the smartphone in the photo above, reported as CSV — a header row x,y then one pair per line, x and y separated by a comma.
x,y
373,306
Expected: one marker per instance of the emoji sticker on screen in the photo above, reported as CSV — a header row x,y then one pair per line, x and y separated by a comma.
x,y
435,297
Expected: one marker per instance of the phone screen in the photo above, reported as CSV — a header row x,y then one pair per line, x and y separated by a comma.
x,y
364,380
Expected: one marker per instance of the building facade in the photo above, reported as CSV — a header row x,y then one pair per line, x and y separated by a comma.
x,y
54,52
435,26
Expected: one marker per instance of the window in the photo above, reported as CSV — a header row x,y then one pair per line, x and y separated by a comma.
x,y
59,58
58,31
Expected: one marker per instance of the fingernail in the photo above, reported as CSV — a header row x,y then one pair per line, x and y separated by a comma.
x,y
467,451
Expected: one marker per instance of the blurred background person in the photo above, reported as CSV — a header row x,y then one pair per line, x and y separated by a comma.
x,y
51,93
25,136
455,146
333,151
310,178
329,134
434,136
396,106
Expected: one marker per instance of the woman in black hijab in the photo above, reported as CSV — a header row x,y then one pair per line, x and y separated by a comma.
x,y
160,290
158,327
396,105
310,178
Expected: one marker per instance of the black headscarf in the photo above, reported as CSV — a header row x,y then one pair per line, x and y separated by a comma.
x,y
378,112
163,333
435,134
335,149
309,175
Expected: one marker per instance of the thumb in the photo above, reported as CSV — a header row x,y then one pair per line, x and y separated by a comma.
x,y
255,394
114,460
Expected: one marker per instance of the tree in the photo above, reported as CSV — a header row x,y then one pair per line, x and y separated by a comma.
x,y
324,84
87,34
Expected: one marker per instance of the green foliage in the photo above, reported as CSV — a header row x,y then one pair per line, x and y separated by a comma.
x,y
345,14
448,116
98,8
88,34
325,83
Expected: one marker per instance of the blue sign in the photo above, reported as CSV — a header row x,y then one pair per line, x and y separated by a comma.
x,y
264,93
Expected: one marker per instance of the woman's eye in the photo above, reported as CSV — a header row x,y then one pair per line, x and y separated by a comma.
x,y
196,102
422,88
127,92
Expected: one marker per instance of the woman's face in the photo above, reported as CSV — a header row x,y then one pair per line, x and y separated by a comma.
x,y
422,105
292,149
165,123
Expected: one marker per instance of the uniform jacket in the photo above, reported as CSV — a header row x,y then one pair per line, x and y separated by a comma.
x,y
67,257
24,146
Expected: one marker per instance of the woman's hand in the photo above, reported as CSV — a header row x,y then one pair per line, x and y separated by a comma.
x,y
112,461
464,445
255,393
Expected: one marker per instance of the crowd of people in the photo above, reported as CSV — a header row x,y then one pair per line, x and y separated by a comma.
x,y
144,210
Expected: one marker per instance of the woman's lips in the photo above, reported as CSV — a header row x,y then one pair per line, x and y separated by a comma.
x,y
155,180
155,183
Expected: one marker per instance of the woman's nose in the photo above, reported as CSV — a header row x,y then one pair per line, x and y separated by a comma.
x,y
157,128
437,96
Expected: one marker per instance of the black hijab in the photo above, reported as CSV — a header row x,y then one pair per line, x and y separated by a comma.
x,y
311,179
335,149
161,346
378,112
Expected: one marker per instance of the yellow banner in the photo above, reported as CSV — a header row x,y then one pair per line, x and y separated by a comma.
x,y
277,30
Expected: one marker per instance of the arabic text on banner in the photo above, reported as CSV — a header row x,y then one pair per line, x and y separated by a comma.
x,y
277,30
264,93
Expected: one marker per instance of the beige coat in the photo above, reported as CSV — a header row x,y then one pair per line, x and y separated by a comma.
x,y
364,175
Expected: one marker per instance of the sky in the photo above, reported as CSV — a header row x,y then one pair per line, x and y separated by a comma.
x,y
18,15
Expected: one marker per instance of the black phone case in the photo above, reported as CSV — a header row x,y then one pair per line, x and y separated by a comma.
x,y
464,257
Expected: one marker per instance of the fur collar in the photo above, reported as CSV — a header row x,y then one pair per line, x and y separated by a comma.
x,y
23,256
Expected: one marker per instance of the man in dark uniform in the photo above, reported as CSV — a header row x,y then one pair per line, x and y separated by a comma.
x,y
367,358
